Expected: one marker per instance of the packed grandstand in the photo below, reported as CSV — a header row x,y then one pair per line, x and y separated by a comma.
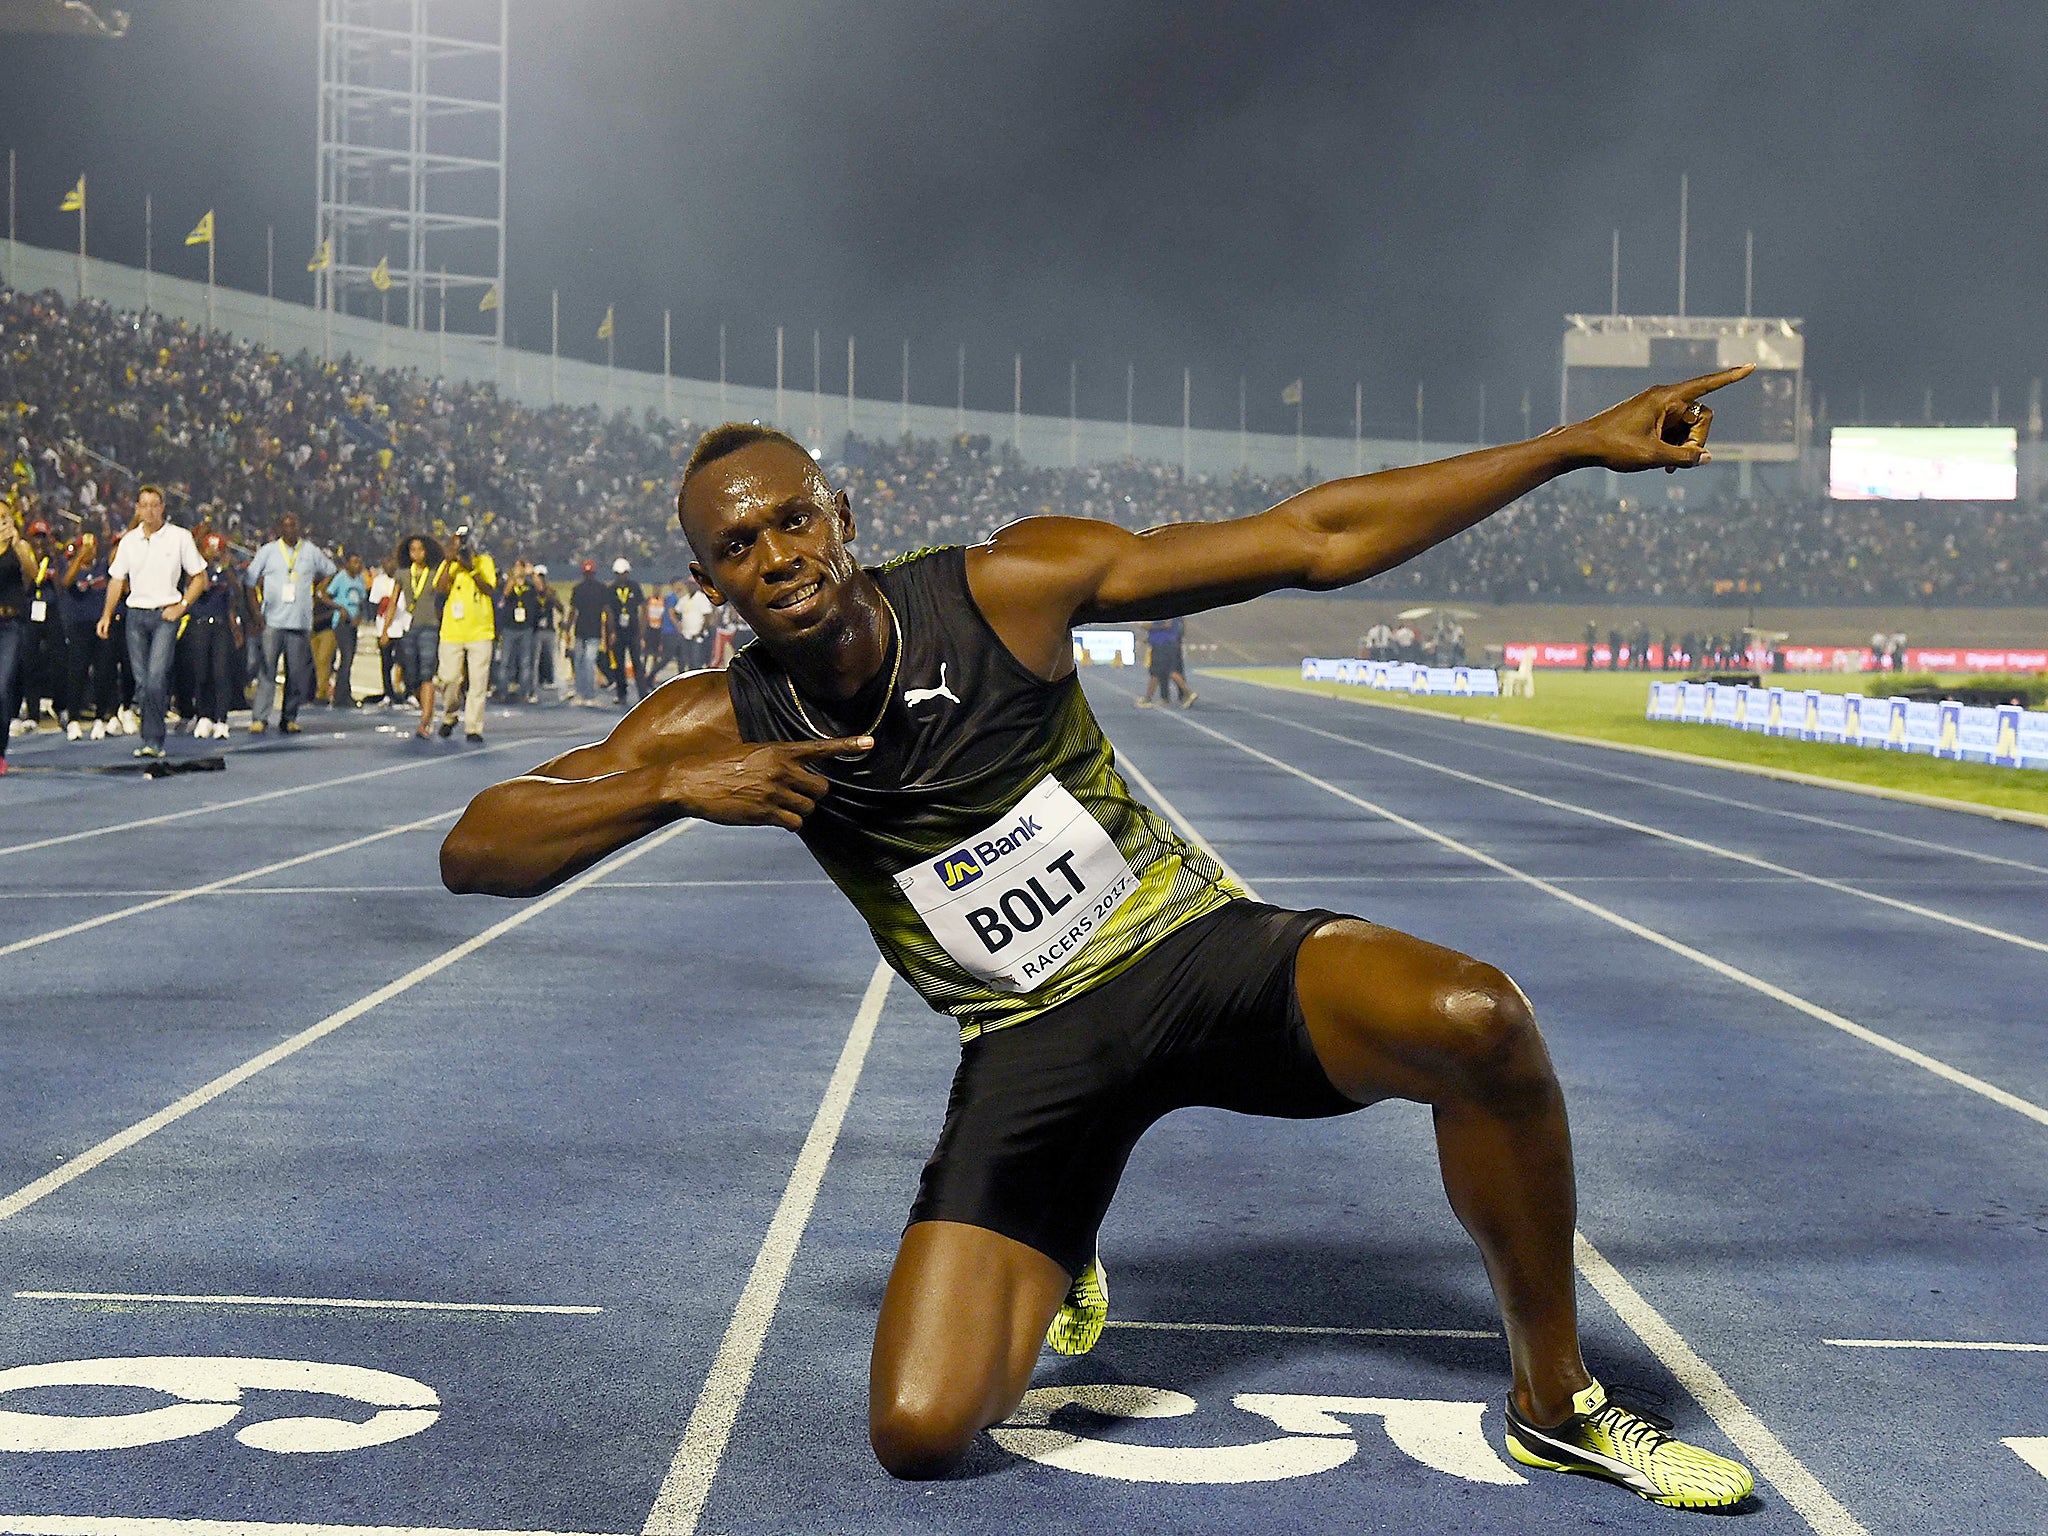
x,y
98,397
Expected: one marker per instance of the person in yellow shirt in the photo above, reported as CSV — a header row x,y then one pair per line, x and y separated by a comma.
x,y
468,584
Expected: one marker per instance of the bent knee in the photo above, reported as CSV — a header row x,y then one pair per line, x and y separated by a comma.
x,y
1492,1028
918,1441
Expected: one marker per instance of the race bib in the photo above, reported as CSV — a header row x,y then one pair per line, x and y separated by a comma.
x,y
288,593
519,615
38,610
455,608
1017,900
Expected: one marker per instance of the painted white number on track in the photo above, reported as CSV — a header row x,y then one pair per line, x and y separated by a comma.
x,y
209,1392
2032,1449
1442,1435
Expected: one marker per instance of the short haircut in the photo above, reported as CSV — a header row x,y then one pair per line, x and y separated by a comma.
x,y
149,490
729,439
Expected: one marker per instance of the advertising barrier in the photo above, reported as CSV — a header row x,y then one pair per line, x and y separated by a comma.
x,y
1798,658
2004,734
1403,677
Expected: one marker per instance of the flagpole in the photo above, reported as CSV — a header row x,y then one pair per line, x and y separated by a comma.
x,y
723,412
554,344
12,255
269,287
81,242
817,388
1130,393
1358,427
441,342
148,234
667,399
1300,453
778,376
1073,413
1244,442
903,417
960,395
1017,404
1187,400
849,378
610,346
209,279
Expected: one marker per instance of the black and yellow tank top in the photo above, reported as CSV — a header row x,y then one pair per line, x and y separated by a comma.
x,y
989,841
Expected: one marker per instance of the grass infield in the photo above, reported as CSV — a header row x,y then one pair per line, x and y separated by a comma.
x,y
1608,706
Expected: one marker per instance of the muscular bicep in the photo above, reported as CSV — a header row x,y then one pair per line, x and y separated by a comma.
x,y
684,715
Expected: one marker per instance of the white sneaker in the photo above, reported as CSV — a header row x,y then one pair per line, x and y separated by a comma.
x,y
202,729
99,730
73,731
131,722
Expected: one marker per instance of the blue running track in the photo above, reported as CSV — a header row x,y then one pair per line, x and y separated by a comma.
x,y
329,1201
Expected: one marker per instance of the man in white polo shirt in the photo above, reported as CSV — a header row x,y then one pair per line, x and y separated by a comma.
x,y
148,564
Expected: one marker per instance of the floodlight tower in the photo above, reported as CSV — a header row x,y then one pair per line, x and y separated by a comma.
x,y
411,171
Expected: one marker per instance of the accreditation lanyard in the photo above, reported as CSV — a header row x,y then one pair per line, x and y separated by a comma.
x,y
39,607
290,593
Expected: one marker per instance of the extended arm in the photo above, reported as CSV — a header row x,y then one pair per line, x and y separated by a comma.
x,y
1036,577
677,753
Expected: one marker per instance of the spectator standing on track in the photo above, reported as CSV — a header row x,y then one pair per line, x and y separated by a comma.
x,y
693,619
421,653
623,600
653,639
1164,642
518,627
547,638
43,667
725,636
146,568
212,642
281,582
350,594
1592,640
468,584
381,602
17,580
78,604
586,630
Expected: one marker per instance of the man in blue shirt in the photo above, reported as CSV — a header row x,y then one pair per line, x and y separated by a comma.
x,y
350,593
280,581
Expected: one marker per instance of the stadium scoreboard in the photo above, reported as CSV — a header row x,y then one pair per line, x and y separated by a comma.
x,y
1610,357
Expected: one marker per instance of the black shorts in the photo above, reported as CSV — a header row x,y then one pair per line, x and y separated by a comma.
x,y
1166,660
1043,1114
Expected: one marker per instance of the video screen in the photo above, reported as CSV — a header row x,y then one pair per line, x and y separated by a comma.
x,y
1923,464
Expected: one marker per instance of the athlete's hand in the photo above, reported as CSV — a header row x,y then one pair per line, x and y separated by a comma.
x,y
1662,428
759,784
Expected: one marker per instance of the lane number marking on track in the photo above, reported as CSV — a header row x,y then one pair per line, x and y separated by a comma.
x,y
1444,1436
2032,1449
209,1393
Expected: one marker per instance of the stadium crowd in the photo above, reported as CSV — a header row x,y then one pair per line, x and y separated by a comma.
x,y
367,462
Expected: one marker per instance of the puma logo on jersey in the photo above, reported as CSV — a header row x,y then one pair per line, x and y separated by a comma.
x,y
912,697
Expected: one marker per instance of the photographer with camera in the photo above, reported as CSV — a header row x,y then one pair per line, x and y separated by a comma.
x,y
468,585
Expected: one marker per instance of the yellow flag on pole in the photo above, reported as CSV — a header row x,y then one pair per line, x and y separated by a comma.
x,y
1291,395
604,331
490,299
202,232
74,200
380,275
322,258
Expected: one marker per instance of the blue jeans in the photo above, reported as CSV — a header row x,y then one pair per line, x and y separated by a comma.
x,y
586,667
515,663
152,647
296,647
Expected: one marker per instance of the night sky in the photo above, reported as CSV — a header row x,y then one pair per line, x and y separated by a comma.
x,y
1377,192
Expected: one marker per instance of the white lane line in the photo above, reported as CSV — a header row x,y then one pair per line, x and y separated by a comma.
x,y
229,805
212,887
2010,1349
351,1303
1359,1333
1689,759
129,1525
1766,1452
1738,1421
1696,845
1719,967
1649,781
198,1098
680,1503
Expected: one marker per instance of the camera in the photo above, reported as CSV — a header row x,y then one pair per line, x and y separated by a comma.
x,y
462,532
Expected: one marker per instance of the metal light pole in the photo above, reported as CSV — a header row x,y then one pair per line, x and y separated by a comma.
x,y
668,407
1187,401
1017,404
554,346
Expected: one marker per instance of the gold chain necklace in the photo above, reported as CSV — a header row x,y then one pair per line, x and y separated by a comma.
x,y
895,671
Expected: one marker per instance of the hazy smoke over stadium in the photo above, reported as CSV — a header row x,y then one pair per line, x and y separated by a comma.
x,y
1389,193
